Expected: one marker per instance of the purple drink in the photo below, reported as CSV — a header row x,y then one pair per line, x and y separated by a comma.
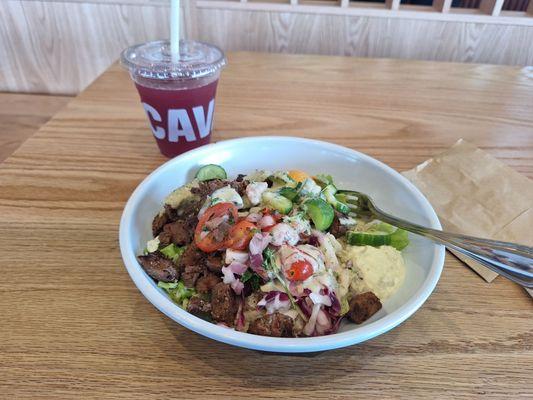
x,y
178,96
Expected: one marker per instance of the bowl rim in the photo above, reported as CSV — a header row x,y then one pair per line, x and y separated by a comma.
x,y
266,343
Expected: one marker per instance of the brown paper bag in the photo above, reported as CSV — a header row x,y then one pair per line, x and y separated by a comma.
x,y
475,194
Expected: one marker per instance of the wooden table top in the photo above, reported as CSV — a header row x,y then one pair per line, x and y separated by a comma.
x,y
74,325
21,114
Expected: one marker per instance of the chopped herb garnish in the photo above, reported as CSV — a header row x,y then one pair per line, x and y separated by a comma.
x,y
253,278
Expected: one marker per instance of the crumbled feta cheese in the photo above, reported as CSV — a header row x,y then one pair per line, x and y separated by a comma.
x,y
152,245
284,233
226,195
299,223
236,255
310,188
348,221
254,190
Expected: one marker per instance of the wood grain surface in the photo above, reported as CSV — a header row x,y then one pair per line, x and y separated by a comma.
x,y
21,115
50,46
74,325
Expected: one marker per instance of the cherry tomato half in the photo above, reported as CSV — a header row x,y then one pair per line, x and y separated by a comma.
x,y
206,238
241,234
299,271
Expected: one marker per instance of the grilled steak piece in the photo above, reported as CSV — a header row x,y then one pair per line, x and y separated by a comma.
x,y
188,207
221,232
199,307
275,324
160,220
214,263
205,283
224,304
159,267
176,232
191,256
363,306
206,188
239,186
336,229
191,273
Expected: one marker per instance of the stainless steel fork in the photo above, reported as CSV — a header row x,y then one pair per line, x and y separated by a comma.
x,y
511,260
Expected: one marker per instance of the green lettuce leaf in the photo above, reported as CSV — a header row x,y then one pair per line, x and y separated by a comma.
x,y
177,291
173,252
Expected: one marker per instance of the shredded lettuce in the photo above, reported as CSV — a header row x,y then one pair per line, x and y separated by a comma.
x,y
177,291
173,252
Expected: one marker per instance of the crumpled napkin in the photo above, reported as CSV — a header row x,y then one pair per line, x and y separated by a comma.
x,y
475,194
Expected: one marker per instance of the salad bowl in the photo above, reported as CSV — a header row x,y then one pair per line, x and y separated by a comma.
x,y
352,170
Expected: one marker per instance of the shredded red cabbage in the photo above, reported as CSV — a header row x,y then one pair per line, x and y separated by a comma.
x,y
237,267
275,301
256,264
259,243
267,220
313,241
254,217
239,318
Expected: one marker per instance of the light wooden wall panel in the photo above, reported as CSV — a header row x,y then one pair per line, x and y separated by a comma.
x,y
60,46
368,36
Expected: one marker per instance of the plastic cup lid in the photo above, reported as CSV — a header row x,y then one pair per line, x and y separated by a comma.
x,y
153,60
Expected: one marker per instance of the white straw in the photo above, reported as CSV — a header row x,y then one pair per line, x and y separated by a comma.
x,y
175,29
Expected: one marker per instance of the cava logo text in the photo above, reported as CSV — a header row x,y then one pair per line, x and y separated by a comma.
x,y
179,124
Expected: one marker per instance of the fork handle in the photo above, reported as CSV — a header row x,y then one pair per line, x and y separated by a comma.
x,y
513,261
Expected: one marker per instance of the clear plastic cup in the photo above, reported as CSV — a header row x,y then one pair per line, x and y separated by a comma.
x,y
177,95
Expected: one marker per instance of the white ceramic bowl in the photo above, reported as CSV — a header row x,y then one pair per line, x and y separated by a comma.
x,y
351,170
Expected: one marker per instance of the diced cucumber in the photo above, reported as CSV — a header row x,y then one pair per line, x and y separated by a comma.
x,y
381,227
374,239
288,192
323,180
398,238
329,194
211,171
281,179
342,208
277,202
320,212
